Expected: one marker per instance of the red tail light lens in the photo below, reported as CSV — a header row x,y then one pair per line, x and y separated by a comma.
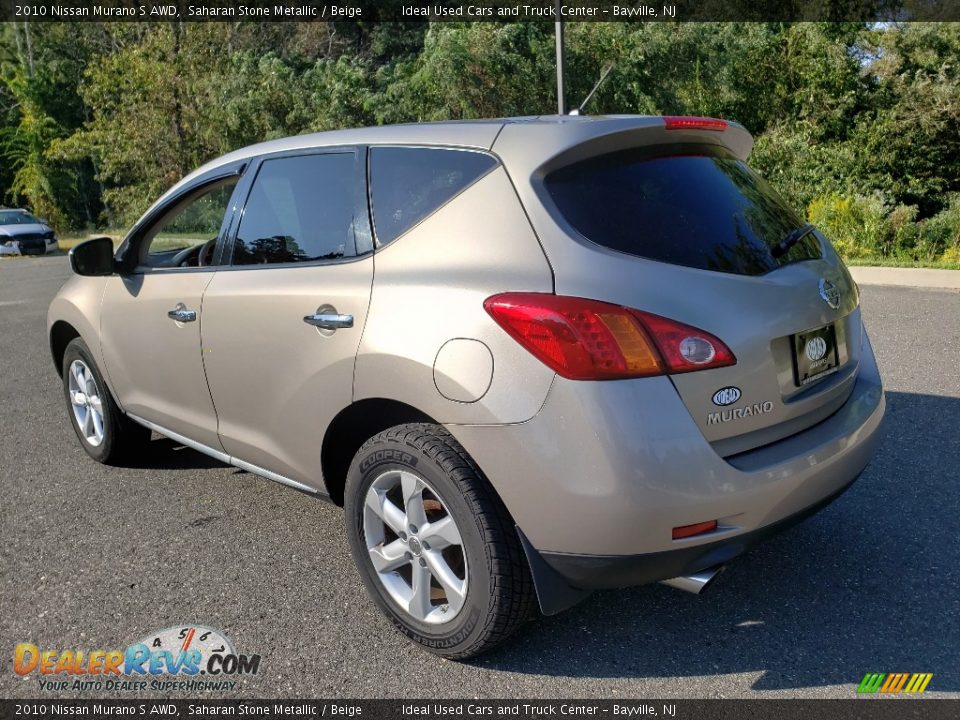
x,y
584,339
579,339
682,122
685,348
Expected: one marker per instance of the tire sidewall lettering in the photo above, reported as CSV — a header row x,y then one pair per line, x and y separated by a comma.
x,y
378,457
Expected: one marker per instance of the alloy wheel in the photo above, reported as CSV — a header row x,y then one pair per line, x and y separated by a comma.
x,y
415,547
86,402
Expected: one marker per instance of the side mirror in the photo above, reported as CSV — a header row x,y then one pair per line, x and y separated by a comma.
x,y
93,257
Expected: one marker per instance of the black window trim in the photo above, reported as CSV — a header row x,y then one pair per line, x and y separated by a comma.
x,y
459,148
361,219
127,255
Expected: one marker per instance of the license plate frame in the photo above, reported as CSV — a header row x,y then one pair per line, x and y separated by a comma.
x,y
823,358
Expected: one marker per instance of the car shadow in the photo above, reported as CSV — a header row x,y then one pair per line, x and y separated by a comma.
x,y
868,585
164,454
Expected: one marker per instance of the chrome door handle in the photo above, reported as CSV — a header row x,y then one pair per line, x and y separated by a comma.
x,y
329,321
181,314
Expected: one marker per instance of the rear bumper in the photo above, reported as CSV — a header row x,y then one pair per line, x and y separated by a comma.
x,y
599,478
595,572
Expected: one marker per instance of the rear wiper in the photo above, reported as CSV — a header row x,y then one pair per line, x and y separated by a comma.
x,y
792,238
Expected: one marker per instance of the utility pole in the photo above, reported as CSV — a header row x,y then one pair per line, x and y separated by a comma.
x,y
561,97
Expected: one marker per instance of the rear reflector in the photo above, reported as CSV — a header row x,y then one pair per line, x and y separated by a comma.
x,y
685,531
683,122
583,339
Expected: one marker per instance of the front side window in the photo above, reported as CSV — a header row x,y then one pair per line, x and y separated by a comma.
x,y
407,184
186,235
300,209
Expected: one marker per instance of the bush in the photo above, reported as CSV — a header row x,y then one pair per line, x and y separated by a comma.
x,y
864,227
927,240
858,226
944,232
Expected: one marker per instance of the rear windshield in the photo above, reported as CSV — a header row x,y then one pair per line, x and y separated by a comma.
x,y
702,209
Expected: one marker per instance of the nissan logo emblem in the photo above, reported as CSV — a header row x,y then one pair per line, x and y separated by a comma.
x,y
830,293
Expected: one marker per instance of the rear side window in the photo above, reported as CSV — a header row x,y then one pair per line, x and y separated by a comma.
x,y
300,209
408,184
703,209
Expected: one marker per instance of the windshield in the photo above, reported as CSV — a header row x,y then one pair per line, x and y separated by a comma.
x,y
698,207
17,217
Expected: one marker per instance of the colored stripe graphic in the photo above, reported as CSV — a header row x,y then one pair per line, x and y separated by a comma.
x,y
918,682
894,683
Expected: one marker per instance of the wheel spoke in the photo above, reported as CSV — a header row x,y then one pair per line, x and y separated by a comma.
x,y
387,558
88,423
420,605
82,376
442,533
454,587
392,516
413,500
97,423
78,376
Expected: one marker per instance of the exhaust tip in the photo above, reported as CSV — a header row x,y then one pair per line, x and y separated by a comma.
x,y
697,582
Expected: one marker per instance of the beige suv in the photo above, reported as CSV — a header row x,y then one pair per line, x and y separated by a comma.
x,y
530,357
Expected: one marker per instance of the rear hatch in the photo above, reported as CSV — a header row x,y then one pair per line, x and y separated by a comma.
x,y
686,230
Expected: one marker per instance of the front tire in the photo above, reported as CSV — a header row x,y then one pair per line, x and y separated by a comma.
x,y
435,546
104,431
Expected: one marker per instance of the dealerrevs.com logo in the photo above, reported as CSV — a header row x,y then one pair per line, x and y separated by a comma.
x,y
188,658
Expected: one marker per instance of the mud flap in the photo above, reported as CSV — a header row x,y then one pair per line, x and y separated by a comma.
x,y
554,593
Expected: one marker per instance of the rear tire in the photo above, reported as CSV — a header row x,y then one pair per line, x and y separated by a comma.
x,y
107,435
415,484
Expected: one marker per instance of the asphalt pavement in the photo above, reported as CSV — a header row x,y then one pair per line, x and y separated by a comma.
x,y
98,557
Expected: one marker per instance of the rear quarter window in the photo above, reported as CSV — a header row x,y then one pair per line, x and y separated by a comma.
x,y
696,207
407,184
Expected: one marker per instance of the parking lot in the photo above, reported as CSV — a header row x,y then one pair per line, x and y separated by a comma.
x,y
97,557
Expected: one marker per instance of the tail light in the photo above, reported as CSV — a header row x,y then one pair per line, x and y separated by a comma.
x,y
584,339
682,122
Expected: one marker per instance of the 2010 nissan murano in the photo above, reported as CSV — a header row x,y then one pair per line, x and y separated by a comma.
x,y
530,357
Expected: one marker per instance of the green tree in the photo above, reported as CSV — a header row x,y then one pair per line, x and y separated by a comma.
x,y
153,105
40,70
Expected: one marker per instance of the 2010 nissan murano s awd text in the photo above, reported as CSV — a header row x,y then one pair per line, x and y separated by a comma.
x,y
530,357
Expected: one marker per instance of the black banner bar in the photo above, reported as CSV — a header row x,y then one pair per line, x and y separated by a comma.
x,y
477,10
854,709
